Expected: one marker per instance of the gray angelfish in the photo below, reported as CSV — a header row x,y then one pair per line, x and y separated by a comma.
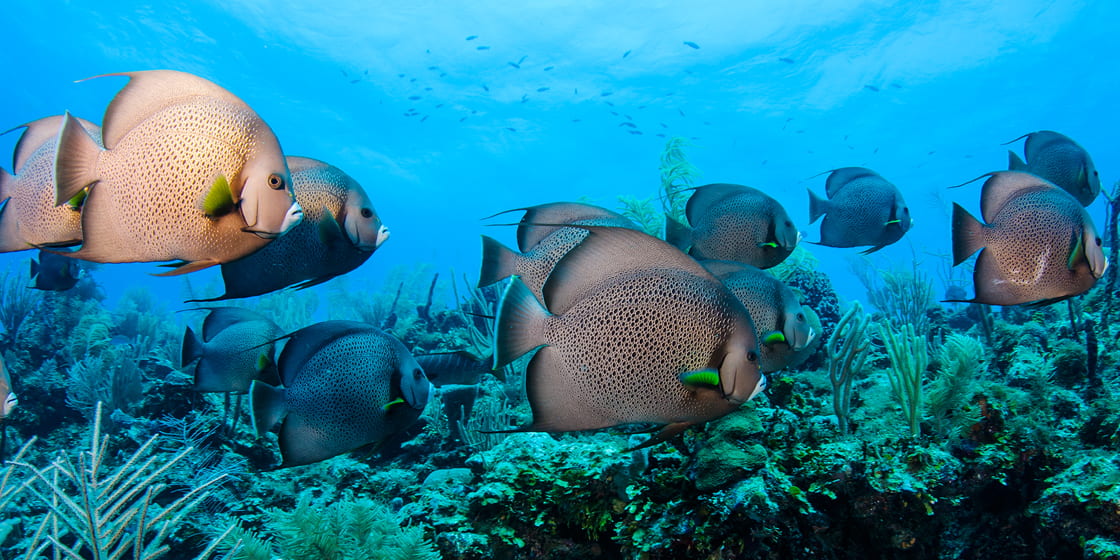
x,y
1037,244
862,209
237,347
1058,159
781,326
10,401
29,216
189,173
734,223
345,385
454,368
54,272
340,231
632,330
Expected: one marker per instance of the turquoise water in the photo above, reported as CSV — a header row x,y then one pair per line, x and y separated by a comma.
x,y
924,94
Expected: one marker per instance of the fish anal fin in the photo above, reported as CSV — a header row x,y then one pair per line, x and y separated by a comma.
x,y
187,267
555,402
267,406
669,431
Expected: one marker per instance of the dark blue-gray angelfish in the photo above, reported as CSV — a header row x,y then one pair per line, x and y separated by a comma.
x,y
734,223
1058,159
237,347
862,209
54,272
345,385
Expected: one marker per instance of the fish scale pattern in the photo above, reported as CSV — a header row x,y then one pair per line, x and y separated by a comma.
x,y
733,228
177,154
1028,236
635,337
537,264
859,213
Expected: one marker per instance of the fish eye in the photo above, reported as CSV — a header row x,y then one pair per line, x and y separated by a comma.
x,y
752,356
1098,242
275,182
417,374
800,316
367,213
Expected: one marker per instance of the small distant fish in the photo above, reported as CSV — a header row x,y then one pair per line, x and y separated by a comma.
x,y
663,125
514,64
236,347
412,80
629,124
485,87
708,123
660,135
429,88
615,113
628,117
896,85
871,88
606,93
438,105
862,209
640,107
625,54
10,400
1038,245
548,68
543,89
670,93
54,272
787,60
482,48
345,385
575,91
1058,159
576,120
424,118
400,75
609,104
414,98
472,37
462,119
681,111
433,68
691,44
635,132
522,59
681,349
731,222
525,98
511,129
442,74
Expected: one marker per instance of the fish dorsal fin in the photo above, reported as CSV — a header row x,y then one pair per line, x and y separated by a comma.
x,y
723,269
1016,163
304,343
299,163
537,223
221,318
706,196
1003,186
151,91
1039,141
606,254
844,175
38,132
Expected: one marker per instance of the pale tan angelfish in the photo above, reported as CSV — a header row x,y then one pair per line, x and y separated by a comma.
x,y
10,401
189,173
29,217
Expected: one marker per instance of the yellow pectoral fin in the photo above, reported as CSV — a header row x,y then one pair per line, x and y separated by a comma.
x,y
219,199
1077,251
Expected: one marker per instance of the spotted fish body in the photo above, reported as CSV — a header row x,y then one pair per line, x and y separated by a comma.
x,y
237,347
1058,159
627,315
542,243
780,323
862,209
735,223
190,174
339,232
28,216
10,401
346,385
1038,244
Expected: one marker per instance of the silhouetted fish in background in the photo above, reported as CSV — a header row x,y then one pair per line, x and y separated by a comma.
x,y
632,330
734,223
54,272
237,347
454,368
29,216
190,174
346,385
862,209
542,241
340,231
1058,159
1038,244
782,329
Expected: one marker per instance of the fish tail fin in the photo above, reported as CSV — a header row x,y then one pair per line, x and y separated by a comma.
x,y
192,347
498,262
10,239
267,404
1014,162
75,160
34,268
677,234
817,206
520,325
968,234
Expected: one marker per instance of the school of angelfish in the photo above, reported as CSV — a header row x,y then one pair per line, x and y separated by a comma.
x,y
626,327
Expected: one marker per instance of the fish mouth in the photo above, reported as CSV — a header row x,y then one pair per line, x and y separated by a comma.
x,y
382,236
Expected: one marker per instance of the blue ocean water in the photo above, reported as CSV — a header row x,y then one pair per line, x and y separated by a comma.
x,y
770,95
